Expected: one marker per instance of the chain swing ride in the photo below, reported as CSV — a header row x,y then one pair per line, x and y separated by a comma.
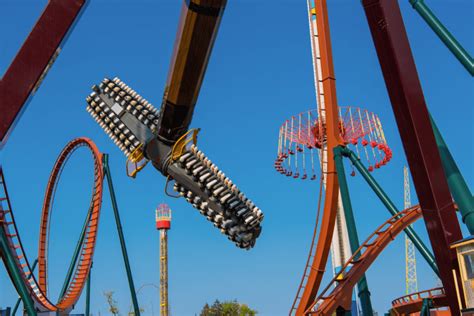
x,y
330,130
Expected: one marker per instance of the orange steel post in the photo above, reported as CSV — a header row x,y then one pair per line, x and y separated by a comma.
x,y
333,139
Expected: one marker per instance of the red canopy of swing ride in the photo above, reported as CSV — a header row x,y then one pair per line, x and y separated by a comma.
x,y
304,134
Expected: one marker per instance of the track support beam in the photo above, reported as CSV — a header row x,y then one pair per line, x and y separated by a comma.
x,y
408,103
457,185
15,275
17,304
113,199
74,258
88,293
424,251
426,306
444,35
10,261
362,285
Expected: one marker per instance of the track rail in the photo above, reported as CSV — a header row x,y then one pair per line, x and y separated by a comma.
x,y
319,251
37,287
340,295
413,302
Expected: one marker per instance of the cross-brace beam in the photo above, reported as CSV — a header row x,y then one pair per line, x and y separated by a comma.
x,y
33,60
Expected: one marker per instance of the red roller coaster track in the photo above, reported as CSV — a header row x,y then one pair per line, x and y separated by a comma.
x,y
37,288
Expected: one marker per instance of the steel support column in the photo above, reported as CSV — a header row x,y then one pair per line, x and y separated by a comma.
x,y
408,103
17,304
133,293
444,35
457,185
15,276
362,286
75,256
88,293
10,260
424,251
426,306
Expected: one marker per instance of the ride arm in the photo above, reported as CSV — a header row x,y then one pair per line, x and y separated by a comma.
x,y
197,30
145,134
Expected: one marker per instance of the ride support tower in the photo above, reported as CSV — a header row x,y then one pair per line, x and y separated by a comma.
x,y
163,224
411,280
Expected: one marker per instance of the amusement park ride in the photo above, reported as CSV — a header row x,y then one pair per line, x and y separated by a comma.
x,y
319,138
163,224
332,130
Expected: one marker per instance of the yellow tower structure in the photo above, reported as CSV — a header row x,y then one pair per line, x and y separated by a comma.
x,y
410,258
163,224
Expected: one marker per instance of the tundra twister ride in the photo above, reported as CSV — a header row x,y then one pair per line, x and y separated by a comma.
x,y
144,133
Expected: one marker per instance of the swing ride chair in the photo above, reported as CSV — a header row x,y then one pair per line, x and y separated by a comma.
x,y
303,134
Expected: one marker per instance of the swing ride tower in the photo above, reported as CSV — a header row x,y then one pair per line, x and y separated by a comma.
x,y
163,224
336,133
304,146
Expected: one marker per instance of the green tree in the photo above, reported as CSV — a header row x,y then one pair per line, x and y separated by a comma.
x,y
230,308
246,311
206,310
227,308
113,308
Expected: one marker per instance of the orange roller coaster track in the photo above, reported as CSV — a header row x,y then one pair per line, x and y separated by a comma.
x,y
340,295
413,302
21,270
319,252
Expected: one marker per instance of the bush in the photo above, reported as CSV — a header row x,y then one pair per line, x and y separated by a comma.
x,y
227,308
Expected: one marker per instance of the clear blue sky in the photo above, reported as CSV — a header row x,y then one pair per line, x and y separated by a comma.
x,y
260,73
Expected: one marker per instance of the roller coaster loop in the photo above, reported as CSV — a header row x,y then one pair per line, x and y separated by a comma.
x,y
32,290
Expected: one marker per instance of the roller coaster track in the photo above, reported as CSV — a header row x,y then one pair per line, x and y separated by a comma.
x,y
412,303
340,295
319,251
12,250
